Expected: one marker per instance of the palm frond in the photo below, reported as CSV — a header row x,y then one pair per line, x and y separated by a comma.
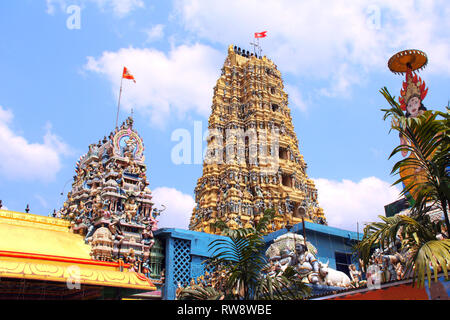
x,y
427,139
197,292
432,256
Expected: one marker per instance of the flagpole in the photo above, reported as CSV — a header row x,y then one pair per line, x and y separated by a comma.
x,y
259,48
118,105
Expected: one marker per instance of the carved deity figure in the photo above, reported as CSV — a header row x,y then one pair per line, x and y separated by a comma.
x,y
130,145
97,206
116,231
355,275
132,260
147,237
306,264
130,209
287,257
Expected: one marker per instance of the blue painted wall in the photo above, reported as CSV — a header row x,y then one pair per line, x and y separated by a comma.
x,y
182,270
185,250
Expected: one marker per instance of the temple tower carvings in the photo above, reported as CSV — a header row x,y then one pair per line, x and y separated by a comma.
x,y
252,162
110,202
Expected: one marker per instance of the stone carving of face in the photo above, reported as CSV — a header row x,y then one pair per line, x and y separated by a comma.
x,y
413,106
300,248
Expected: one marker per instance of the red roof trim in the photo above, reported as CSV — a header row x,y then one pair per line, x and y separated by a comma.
x,y
27,255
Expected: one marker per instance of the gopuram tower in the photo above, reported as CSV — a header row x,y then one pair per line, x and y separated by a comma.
x,y
110,202
252,162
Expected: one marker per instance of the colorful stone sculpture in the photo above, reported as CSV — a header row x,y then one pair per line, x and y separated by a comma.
x,y
412,94
110,202
102,244
289,250
252,162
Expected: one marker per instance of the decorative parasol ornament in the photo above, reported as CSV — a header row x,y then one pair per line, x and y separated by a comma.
x,y
408,61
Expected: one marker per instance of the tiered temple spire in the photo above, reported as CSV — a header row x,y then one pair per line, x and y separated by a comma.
x,y
253,162
110,202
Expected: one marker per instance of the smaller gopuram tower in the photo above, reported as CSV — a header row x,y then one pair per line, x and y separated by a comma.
x,y
252,162
110,202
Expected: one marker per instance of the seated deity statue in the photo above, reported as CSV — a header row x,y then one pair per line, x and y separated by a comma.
x,y
306,264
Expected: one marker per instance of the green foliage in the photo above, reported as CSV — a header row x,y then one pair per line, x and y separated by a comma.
x,y
198,292
283,286
427,137
424,252
241,257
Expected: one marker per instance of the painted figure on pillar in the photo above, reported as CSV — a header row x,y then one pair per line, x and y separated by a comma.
x,y
412,94
411,97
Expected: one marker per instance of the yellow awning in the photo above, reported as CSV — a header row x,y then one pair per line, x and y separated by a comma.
x,y
43,248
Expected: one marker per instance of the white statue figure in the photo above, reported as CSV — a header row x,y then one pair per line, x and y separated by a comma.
x,y
286,259
332,277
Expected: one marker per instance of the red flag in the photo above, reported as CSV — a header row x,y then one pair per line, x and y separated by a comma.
x,y
127,75
260,34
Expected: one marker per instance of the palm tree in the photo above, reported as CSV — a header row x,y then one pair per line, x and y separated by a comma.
x,y
198,292
427,138
241,257
426,253
429,143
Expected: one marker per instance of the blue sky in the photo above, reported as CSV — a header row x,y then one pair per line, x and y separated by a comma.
x,y
60,86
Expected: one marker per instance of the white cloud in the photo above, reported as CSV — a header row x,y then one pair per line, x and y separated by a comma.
x,y
342,80
295,97
120,8
339,41
155,33
167,85
179,207
346,202
24,160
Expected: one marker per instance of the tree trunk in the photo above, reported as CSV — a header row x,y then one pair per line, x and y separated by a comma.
x,y
447,223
